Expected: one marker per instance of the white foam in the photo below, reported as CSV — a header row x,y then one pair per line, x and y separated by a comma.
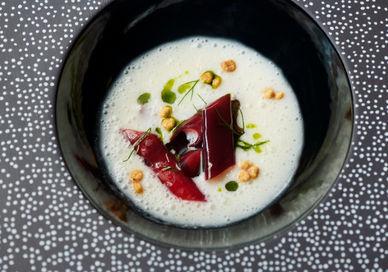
x,y
278,121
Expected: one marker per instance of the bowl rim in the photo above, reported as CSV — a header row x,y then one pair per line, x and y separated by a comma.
x,y
82,30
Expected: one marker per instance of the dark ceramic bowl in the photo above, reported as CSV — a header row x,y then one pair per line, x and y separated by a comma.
x,y
278,29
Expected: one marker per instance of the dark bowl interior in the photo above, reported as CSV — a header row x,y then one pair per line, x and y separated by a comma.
x,y
278,29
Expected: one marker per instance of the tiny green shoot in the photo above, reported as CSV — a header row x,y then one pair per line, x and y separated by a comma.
x,y
143,98
248,146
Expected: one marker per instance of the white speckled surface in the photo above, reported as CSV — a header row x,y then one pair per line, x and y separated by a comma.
x,y
46,224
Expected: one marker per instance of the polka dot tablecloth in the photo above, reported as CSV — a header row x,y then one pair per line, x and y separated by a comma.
x,y
46,224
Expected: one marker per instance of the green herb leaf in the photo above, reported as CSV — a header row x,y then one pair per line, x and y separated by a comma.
x,y
247,146
143,98
168,96
243,145
159,132
185,86
256,136
261,143
191,90
250,125
231,186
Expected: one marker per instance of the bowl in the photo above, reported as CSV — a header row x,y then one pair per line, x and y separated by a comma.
x,y
279,30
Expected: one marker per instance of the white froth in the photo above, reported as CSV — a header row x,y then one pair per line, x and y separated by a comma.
x,y
278,121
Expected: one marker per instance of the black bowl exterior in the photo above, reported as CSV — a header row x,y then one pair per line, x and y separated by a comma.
x,y
278,29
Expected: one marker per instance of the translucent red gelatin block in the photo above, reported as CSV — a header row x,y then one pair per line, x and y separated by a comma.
x,y
218,145
163,163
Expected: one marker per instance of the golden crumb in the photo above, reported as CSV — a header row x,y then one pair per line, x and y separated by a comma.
x,y
168,123
248,171
228,65
243,176
165,111
245,165
138,187
136,175
207,77
253,171
279,95
216,82
269,93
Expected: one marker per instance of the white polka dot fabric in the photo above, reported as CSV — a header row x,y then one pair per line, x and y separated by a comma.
x,y
46,224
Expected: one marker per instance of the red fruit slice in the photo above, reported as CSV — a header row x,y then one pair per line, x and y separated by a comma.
x,y
187,134
218,143
190,162
164,165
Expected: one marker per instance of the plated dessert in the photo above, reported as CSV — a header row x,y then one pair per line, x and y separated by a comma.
x,y
201,132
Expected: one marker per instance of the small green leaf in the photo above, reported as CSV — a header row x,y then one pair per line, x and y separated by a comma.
x,y
250,125
231,186
143,98
185,86
219,189
168,96
159,132
192,83
256,136
247,146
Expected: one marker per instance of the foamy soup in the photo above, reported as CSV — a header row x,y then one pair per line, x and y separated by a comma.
x,y
234,162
